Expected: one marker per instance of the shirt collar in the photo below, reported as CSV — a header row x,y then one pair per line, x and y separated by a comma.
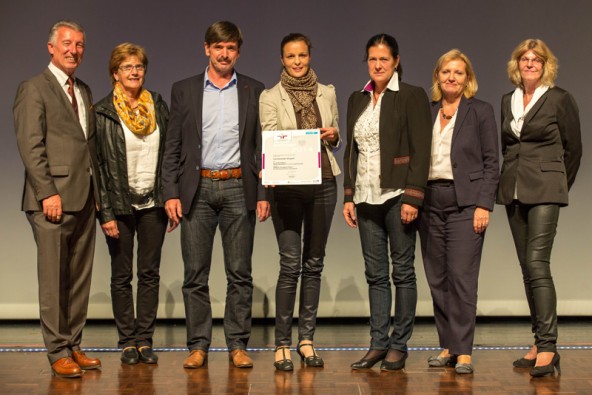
x,y
59,74
393,84
208,82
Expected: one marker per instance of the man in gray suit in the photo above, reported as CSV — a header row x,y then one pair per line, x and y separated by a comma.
x,y
210,178
55,132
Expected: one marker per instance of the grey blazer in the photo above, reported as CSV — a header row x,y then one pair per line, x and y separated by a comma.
x,y
542,164
181,165
58,158
277,113
474,153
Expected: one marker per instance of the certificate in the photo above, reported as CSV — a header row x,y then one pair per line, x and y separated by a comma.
x,y
291,157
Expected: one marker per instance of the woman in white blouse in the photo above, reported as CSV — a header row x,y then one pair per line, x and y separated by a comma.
x,y
542,148
386,165
461,192
131,124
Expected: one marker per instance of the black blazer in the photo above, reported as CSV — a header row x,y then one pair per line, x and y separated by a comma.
x,y
181,166
542,164
474,154
405,134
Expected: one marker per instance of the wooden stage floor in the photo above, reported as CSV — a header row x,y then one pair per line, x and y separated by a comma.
x,y
24,368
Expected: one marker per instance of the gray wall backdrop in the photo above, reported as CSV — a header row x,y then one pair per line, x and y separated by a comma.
x,y
172,32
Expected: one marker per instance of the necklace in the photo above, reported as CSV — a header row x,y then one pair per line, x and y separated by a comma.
x,y
448,117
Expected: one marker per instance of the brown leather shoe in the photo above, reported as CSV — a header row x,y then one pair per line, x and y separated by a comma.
x,y
196,359
240,358
85,362
66,367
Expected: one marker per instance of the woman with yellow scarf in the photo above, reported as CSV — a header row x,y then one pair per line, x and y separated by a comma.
x,y
131,124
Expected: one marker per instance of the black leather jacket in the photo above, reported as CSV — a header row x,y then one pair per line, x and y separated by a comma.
x,y
113,179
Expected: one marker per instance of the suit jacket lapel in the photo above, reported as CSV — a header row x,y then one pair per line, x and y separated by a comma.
x,y
196,92
87,103
535,108
55,87
463,109
243,104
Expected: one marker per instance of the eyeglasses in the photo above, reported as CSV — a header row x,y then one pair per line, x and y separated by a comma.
x,y
526,60
128,67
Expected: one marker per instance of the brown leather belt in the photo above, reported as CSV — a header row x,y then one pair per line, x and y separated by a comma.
x,y
224,174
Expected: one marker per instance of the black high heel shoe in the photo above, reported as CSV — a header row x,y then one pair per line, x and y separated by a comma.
x,y
370,359
285,365
314,361
524,363
540,371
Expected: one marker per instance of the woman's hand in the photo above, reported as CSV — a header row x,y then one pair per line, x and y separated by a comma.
x,y
408,213
481,220
329,134
110,229
349,213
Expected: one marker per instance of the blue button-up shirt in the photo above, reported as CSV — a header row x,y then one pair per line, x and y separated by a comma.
x,y
220,131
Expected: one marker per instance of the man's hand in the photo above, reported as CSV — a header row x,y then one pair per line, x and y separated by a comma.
x,y
52,208
174,212
262,210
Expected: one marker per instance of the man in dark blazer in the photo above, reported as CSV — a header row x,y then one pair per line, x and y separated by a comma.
x,y
210,177
55,131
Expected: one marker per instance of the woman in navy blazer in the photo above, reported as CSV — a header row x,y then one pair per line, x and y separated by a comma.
x,y
542,148
461,190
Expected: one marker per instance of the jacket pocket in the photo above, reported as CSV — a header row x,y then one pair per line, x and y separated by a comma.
x,y
476,175
59,171
553,166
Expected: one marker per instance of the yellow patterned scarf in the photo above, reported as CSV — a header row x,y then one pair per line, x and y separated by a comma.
x,y
140,120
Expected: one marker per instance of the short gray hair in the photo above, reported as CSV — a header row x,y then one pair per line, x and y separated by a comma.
x,y
53,32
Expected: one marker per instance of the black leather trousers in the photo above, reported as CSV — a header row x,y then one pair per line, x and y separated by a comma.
x,y
534,228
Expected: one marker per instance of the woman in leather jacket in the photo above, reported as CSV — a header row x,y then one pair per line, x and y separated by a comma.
x,y
131,125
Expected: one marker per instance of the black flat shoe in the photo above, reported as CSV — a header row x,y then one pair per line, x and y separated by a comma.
x,y
314,361
394,365
147,355
524,363
130,356
540,371
285,365
370,359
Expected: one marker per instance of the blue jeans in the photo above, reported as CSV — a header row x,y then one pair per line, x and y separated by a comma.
x,y
302,253
218,203
380,227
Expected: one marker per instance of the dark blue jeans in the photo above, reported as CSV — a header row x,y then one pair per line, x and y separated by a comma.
x,y
534,228
218,203
149,226
380,227
302,253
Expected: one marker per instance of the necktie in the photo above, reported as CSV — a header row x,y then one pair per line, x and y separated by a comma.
x,y
73,95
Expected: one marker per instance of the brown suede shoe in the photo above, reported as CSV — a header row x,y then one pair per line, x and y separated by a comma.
x,y
66,367
240,358
85,362
196,359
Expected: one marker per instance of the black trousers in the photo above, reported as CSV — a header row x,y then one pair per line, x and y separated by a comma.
x,y
534,228
301,253
451,257
149,226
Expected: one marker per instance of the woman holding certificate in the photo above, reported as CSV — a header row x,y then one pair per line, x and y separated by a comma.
x,y
301,214
386,160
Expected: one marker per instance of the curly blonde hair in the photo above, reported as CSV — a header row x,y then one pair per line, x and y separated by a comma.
x,y
541,50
